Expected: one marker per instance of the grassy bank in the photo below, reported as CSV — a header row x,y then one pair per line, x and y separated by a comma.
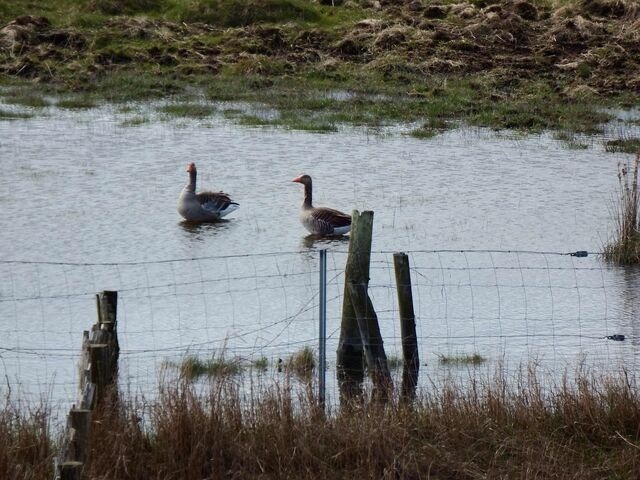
x,y
531,66
494,429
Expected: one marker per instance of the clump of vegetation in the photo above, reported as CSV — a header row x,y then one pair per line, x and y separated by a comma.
x,y
301,363
193,367
77,103
261,364
394,362
625,246
462,359
190,110
624,145
9,115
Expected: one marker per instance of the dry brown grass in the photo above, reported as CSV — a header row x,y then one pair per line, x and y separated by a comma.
x,y
625,246
25,444
588,428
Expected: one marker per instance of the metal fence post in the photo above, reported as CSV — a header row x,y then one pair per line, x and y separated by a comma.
x,y
322,334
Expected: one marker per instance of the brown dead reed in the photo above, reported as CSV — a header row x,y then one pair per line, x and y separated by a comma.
x,y
585,428
625,246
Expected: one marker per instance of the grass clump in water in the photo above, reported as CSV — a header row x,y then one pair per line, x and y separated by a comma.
x,y
193,367
624,145
473,359
625,246
8,115
78,103
302,363
261,364
188,110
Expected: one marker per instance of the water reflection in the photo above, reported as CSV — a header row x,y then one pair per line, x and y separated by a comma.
x,y
318,241
201,231
629,292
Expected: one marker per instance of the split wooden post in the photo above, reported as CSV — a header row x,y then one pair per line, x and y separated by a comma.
x,y
408,335
80,422
98,374
71,470
359,332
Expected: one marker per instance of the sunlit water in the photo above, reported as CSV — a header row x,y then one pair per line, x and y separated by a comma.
x,y
96,201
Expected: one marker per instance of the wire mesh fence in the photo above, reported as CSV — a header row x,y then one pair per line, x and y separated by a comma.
x,y
474,310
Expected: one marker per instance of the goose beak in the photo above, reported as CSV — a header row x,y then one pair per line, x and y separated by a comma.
x,y
297,179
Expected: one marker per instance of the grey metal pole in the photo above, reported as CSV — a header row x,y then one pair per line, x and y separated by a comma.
x,y
322,334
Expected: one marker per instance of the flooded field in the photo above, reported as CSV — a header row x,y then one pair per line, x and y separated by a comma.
x,y
89,203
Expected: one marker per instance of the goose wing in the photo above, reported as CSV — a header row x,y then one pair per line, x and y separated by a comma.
x,y
330,218
215,202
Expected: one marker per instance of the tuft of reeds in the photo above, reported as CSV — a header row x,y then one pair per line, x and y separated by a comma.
x,y
625,247
301,363
26,446
586,428
192,367
485,427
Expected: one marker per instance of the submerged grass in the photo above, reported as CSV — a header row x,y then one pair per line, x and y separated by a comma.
x,y
585,428
462,359
189,110
11,115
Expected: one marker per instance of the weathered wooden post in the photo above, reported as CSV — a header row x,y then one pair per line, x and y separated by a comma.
x,y
407,327
80,422
70,470
360,337
98,373
350,355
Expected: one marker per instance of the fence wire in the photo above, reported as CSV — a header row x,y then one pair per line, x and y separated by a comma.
x,y
510,309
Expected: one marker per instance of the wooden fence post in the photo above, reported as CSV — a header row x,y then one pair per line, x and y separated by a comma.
x,y
80,422
98,379
359,332
408,335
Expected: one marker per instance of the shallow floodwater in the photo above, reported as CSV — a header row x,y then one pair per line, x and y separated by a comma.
x,y
90,204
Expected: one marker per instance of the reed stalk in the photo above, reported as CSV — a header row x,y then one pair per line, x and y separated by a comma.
x,y
624,248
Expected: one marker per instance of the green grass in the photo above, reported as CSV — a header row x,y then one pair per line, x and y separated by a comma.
x,y
462,359
132,53
135,121
624,145
26,99
394,362
77,103
7,115
188,110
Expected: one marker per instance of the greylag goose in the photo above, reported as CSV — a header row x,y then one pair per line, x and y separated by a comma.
x,y
321,220
204,206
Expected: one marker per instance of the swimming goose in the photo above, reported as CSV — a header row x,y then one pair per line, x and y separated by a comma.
x,y
321,220
204,206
